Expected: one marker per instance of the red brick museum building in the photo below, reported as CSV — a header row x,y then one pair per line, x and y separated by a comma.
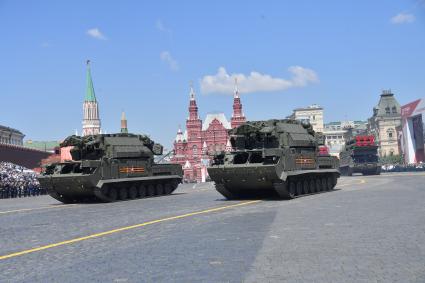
x,y
193,147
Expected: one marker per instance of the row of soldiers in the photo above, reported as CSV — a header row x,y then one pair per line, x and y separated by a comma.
x,y
18,192
18,181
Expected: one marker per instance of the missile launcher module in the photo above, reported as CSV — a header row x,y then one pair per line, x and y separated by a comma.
x,y
360,155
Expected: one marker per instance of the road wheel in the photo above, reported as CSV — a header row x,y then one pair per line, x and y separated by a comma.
x,y
142,191
113,194
123,193
312,188
299,188
132,192
151,190
324,184
168,189
330,183
159,189
306,189
318,185
292,189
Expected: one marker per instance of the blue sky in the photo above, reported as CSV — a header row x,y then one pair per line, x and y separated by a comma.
x,y
145,54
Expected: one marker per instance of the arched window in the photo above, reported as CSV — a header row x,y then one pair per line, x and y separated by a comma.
x,y
394,110
195,150
390,133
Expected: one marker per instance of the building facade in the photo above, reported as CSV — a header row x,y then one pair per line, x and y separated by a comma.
x,y
335,134
194,147
91,120
312,114
412,134
13,149
11,136
384,122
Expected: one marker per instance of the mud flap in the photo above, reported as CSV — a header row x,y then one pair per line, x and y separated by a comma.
x,y
59,197
282,190
100,194
221,188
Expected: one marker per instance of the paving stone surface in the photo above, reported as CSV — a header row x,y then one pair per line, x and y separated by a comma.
x,y
371,229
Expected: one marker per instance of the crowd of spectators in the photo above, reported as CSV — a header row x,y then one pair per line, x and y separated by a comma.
x,y
17,181
403,167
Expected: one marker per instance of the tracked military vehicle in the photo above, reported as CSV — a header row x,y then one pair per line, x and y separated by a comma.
x,y
110,167
360,155
274,157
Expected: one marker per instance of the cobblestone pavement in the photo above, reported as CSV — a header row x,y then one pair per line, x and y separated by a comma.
x,y
371,229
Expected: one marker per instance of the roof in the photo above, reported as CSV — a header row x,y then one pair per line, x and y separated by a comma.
x,y
219,116
387,101
8,129
333,123
311,107
41,145
187,165
90,95
181,136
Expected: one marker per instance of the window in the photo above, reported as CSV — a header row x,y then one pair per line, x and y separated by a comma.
x,y
195,151
387,110
394,110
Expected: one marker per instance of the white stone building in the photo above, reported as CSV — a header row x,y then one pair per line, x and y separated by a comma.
x,y
11,136
386,118
335,134
312,114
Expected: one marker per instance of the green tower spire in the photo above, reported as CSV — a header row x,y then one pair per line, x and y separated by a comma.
x,y
90,96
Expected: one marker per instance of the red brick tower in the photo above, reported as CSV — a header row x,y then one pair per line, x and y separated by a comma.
x,y
194,136
238,118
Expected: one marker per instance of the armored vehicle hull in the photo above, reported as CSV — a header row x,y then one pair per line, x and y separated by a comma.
x,y
121,169
273,158
234,183
372,168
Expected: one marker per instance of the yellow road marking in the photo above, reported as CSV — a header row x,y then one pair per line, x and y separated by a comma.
x,y
72,241
36,208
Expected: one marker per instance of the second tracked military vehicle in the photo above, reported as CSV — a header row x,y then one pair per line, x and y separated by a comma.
x,y
278,157
110,167
360,155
